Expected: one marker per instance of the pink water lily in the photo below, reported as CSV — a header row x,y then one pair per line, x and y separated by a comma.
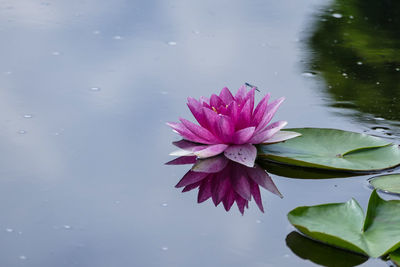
x,y
225,181
229,124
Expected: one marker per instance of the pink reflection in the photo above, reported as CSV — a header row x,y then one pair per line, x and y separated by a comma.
x,y
225,181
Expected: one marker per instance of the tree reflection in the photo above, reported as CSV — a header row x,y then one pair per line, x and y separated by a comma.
x,y
225,181
356,49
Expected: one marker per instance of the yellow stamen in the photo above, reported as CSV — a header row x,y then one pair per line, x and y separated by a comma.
x,y
214,109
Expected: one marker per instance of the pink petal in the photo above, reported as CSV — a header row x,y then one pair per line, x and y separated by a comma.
x,y
281,136
250,97
255,191
182,160
241,203
191,187
210,165
241,95
233,112
215,101
210,151
199,131
190,178
225,128
204,101
268,132
197,110
240,182
211,119
229,199
221,189
226,96
204,191
186,133
260,110
269,113
261,177
243,135
244,116
244,154
184,144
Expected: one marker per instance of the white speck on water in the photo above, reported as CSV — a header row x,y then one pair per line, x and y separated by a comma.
x,y
258,221
55,53
337,15
359,63
379,119
397,69
308,74
9,230
164,204
172,43
164,92
67,227
28,116
164,248
286,256
351,17
378,83
117,37
22,132
96,32
22,257
344,74
95,89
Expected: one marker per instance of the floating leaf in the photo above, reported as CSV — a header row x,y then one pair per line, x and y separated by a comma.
x,y
343,225
395,257
333,150
389,183
322,254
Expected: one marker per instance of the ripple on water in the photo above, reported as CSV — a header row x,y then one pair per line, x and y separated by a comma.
x,y
337,15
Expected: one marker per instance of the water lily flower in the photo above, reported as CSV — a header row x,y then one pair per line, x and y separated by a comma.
x,y
225,181
229,124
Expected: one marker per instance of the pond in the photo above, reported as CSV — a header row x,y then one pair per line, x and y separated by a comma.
x,y
86,88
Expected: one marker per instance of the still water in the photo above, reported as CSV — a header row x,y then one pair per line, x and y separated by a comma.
x,y
87,86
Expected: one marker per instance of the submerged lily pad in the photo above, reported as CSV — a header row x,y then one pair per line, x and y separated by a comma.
x,y
343,225
389,183
333,150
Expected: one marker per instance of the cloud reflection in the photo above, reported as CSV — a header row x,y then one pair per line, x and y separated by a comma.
x,y
225,181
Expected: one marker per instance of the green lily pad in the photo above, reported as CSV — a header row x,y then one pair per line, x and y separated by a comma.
x,y
389,183
322,254
395,257
332,149
343,225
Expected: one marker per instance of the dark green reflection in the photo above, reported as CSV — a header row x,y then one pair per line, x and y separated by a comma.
x,y
356,49
320,253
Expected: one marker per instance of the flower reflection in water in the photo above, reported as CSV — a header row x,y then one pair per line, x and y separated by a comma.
x,y
225,181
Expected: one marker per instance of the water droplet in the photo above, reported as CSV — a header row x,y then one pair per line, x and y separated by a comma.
x,y
164,204
96,32
55,53
28,116
117,37
95,89
337,15
67,227
359,63
308,74
22,257
164,248
9,230
172,43
22,132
